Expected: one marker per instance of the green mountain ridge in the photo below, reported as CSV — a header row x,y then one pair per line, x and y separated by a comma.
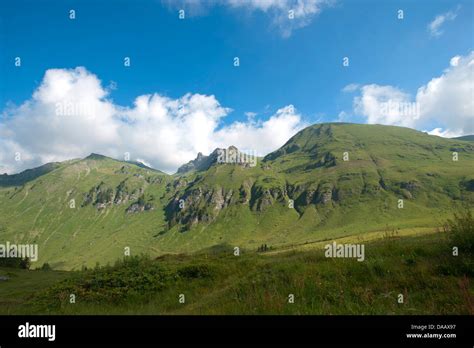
x,y
27,175
466,138
327,181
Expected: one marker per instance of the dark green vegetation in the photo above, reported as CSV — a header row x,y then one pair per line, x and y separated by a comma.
x,y
422,269
16,262
85,211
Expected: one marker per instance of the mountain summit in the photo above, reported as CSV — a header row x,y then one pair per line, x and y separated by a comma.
x,y
202,162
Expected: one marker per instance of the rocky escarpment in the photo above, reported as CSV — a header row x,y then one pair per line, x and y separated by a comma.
x,y
199,204
103,195
142,204
202,204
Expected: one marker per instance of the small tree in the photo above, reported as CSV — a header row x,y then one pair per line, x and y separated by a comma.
x,y
460,230
46,267
25,263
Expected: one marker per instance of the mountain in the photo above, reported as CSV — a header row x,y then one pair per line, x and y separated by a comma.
x,y
466,138
329,180
27,175
200,163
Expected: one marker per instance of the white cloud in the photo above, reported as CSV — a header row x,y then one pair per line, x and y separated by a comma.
x,y
342,116
350,88
71,115
446,101
263,136
250,115
385,105
434,27
449,98
443,133
287,15
454,61
302,11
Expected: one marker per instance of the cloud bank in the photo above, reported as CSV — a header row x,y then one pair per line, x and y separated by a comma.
x,y
71,115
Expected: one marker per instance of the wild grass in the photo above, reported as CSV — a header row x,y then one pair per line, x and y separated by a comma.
x,y
422,269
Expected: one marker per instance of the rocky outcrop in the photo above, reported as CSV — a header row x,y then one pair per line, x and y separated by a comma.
x,y
264,197
103,195
197,205
139,207
231,155
245,192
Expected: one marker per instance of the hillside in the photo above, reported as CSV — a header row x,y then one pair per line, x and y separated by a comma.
x,y
328,181
466,138
420,268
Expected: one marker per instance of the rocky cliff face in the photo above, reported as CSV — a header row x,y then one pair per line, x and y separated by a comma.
x,y
103,195
204,204
199,204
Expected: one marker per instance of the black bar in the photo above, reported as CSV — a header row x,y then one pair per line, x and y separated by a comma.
x,y
240,330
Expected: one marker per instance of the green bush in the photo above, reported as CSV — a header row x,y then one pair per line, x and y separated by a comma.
x,y
15,262
195,271
460,230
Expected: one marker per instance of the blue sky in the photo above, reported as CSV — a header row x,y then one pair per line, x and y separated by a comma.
x,y
282,62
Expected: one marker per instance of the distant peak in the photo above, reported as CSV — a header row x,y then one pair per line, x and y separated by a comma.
x,y
96,156
218,150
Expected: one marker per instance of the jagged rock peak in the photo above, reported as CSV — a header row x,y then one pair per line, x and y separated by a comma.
x,y
203,162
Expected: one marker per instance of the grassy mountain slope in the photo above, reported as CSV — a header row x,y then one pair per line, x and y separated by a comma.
x,y
466,138
119,204
332,197
69,212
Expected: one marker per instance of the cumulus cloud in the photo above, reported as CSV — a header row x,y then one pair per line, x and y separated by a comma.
x,y
385,105
263,136
434,27
449,98
286,15
71,115
447,101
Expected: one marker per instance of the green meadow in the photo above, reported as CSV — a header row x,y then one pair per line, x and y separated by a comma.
x,y
422,269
